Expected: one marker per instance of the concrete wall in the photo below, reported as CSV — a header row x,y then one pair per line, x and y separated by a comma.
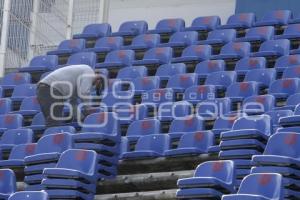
x,y
154,10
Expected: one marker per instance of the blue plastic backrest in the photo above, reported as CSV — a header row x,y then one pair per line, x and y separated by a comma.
x,y
113,43
201,51
182,80
30,103
247,64
199,92
148,40
225,122
129,73
277,114
260,123
59,129
49,61
280,16
174,24
102,122
17,136
137,27
5,105
158,143
263,76
226,35
209,66
264,32
86,58
291,72
240,48
146,83
116,99
84,161
284,144
38,119
200,139
281,46
16,78
223,170
287,61
292,29
144,127
24,90
266,101
159,96
55,143
294,99
214,107
11,121
187,37
75,44
100,30
29,195
164,54
244,19
242,89
177,109
131,112
210,22
268,185
168,70
188,124
123,56
7,181
287,86
223,78
21,151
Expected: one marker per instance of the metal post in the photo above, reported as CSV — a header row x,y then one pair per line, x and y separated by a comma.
x,y
103,11
4,35
34,15
70,19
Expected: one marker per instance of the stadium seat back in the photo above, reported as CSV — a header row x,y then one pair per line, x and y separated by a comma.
x,y
200,51
144,127
113,43
209,22
226,35
30,103
287,86
146,83
243,89
265,102
174,24
236,48
7,181
158,143
24,90
22,150
83,58
263,33
59,129
99,30
212,108
209,66
222,78
168,70
287,61
146,40
17,136
186,37
243,19
198,93
136,27
291,72
74,44
261,123
277,114
262,76
16,79
55,143
200,139
11,121
130,73
280,16
164,54
250,63
158,96
182,81
188,124
120,56
5,105
49,61
29,195
281,46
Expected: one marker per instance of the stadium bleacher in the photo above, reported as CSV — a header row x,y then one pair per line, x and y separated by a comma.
x,y
214,106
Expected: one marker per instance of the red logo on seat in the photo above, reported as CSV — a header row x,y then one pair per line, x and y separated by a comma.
x,y
146,81
189,121
81,155
146,125
293,59
243,17
201,89
18,77
279,14
206,20
159,50
237,46
30,148
148,37
121,54
73,43
172,22
290,139
260,99
297,69
265,179
253,62
212,64
161,92
262,30
199,48
232,119
101,117
9,119
217,166
199,136
184,78
287,83
111,40
2,174
244,86
58,138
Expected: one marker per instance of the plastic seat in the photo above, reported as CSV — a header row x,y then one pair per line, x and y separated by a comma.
x,y
196,94
29,195
168,26
129,113
181,126
291,32
237,92
223,124
41,63
7,183
10,121
143,84
75,169
286,61
130,73
192,144
211,180
68,47
210,109
158,96
204,68
239,21
181,39
169,111
112,100
255,105
265,186
291,102
38,123
277,114
82,58
10,80
291,72
17,155
247,64
291,121
93,31
206,23
165,71
275,48
117,58
180,82
219,37
13,137
22,91
234,50
258,34
156,56
263,77
59,129
5,105
140,128
283,88
221,79
149,146
106,44
194,53
131,28
29,107
275,18
143,42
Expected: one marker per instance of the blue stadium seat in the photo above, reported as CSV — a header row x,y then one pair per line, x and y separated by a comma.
x,y
129,113
169,26
143,42
29,195
117,58
131,28
204,68
192,144
158,96
237,92
295,19
140,128
291,102
292,31
291,72
106,44
256,105
265,186
223,124
234,50
59,129
10,121
211,180
286,61
130,73
94,31
143,84
198,93
38,123
274,48
291,121
17,155
14,137
82,58
22,91
295,51
165,71
276,115
212,108
221,79
247,64
5,105
68,47
219,37
274,18
206,23
8,183
263,77
283,88
239,21
112,100
29,107
74,176
149,146
41,63
180,82
9,81
169,111
181,126
258,34
181,39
